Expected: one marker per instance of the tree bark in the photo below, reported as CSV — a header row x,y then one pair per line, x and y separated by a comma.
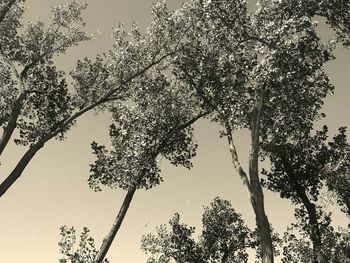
x,y
6,9
21,165
257,204
315,234
257,192
12,123
107,242
236,163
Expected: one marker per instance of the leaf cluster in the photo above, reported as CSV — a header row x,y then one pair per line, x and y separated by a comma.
x,y
154,123
73,252
224,238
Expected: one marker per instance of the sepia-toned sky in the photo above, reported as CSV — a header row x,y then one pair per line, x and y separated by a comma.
x,y
53,190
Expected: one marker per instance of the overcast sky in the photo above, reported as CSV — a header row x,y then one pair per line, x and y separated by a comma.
x,y
53,189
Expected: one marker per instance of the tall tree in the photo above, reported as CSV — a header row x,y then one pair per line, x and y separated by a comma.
x,y
299,170
246,68
36,99
218,62
158,123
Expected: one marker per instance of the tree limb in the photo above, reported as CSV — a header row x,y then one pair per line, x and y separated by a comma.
x,y
21,165
12,123
6,9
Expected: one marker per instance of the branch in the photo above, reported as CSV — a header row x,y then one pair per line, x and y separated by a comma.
x,y
154,62
237,164
200,92
182,36
35,61
21,165
6,9
12,123
193,120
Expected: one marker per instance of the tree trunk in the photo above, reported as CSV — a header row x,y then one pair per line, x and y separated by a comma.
x,y
12,123
262,221
257,202
236,163
315,235
107,242
21,165
27,157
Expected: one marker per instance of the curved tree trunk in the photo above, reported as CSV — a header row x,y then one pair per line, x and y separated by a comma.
x,y
256,198
262,221
21,165
107,242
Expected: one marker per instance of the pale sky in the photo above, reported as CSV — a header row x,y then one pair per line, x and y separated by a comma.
x,y
53,190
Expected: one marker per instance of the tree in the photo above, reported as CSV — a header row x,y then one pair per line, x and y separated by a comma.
x,y
218,65
36,98
287,129
224,238
246,68
158,123
300,168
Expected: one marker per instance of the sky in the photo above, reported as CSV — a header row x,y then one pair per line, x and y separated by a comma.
x,y
53,190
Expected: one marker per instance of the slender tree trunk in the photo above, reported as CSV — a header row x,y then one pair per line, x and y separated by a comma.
x,y
107,242
257,192
12,123
315,234
30,153
21,165
258,205
236,163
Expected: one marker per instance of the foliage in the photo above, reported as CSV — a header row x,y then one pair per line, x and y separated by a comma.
x,y
39,86
335,12
40,104
83,252
338,173
154,123
297,247
224,238
261,71
308,164
177,245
